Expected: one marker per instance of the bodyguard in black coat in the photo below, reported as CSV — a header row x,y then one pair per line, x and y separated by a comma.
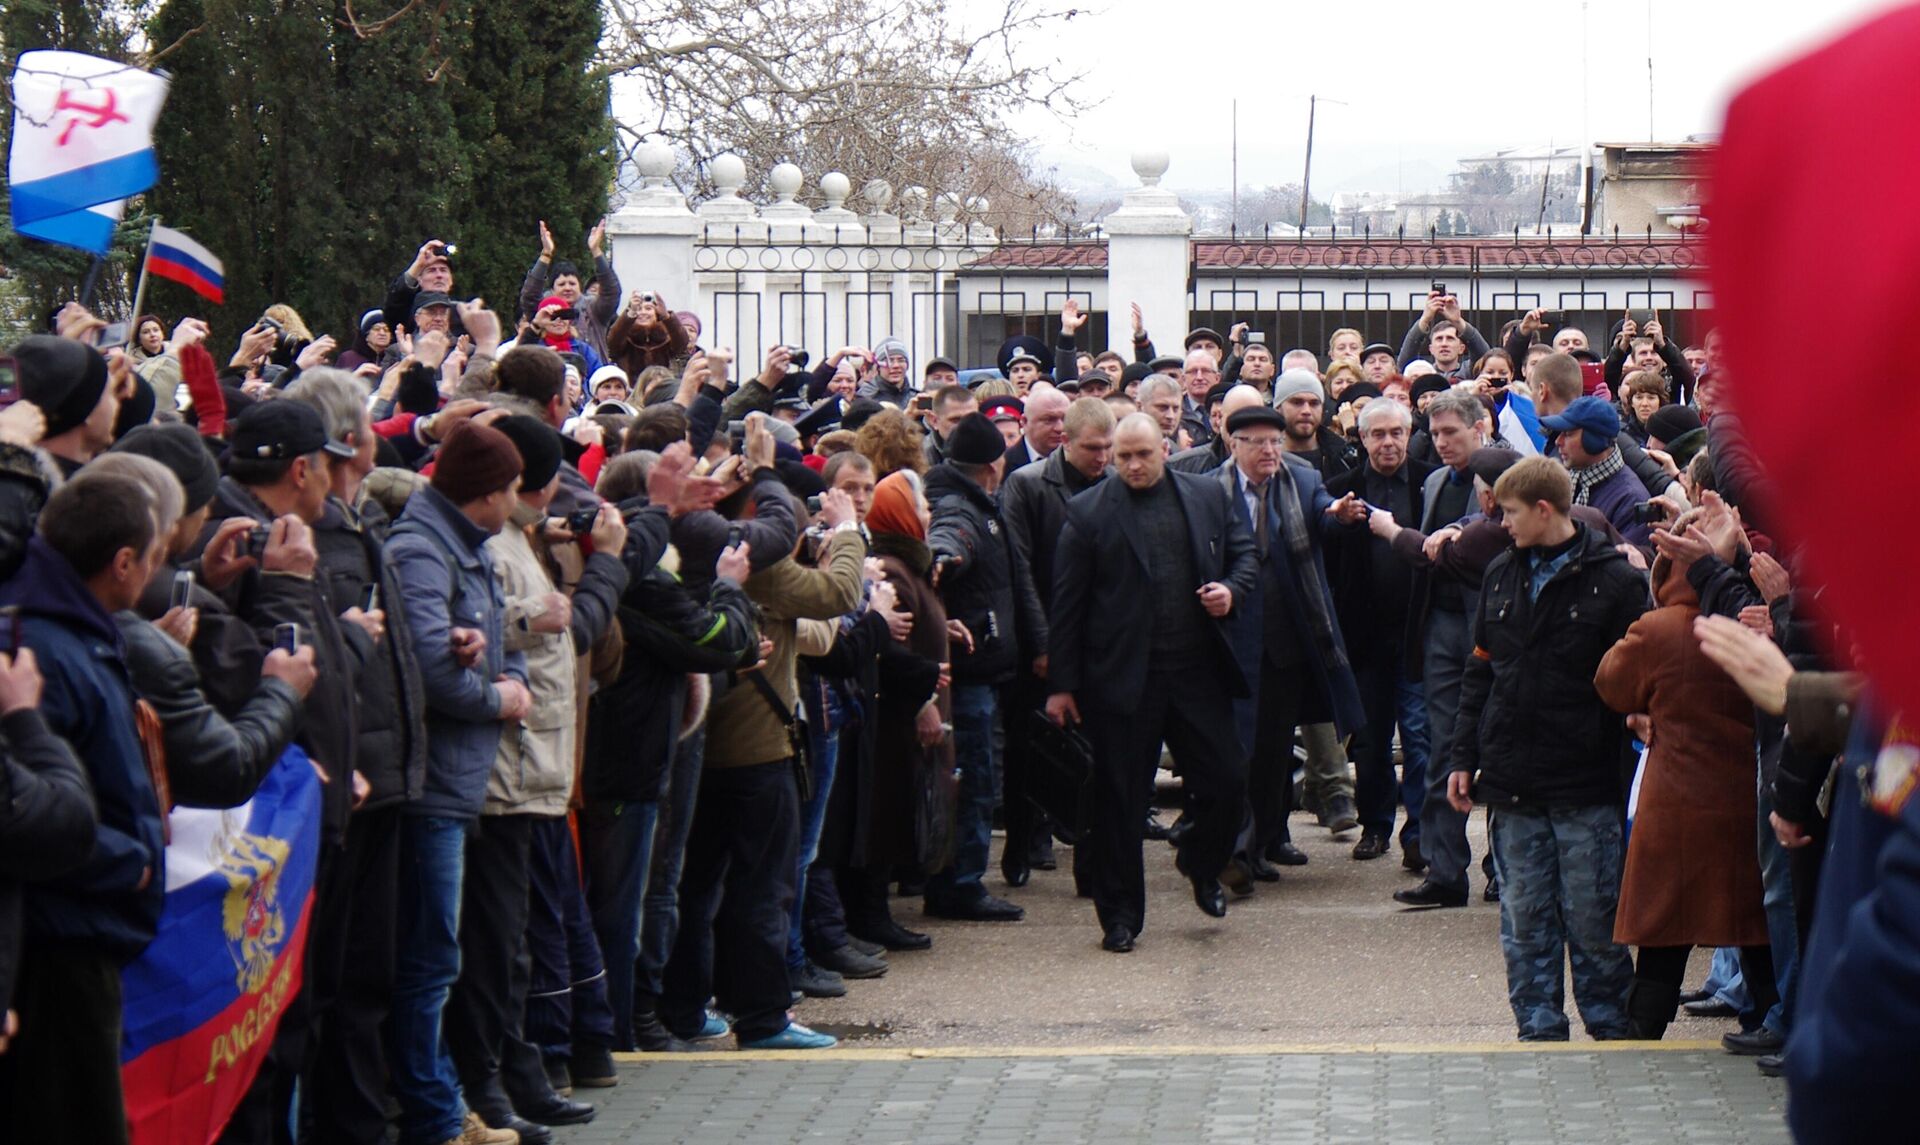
x,y
1150,569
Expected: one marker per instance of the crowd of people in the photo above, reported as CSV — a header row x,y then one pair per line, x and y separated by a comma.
x,y
645,692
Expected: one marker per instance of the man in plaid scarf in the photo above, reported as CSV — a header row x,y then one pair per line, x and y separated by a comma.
x,y
1584,433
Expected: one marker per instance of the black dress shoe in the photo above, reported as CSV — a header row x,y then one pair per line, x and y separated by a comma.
x,y
1753,1043
1177,830
1372,845
1261,869
559,1111
890,935
1709,1007
1208,894
1410,856
1695,996
986,908
530,1133
1210,897
1492,893
870,949
1771,1065
1016,874
850,963
1119,940
1430,893
1235,877
1156,830
1286,854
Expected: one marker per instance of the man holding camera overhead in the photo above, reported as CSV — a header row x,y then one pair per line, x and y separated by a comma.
x,y
431,271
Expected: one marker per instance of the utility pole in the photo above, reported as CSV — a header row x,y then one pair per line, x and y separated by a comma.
x,y
1650,135
1306,180
1233,220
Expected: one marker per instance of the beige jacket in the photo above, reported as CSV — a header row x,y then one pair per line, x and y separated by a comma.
x,y
534,770
742,728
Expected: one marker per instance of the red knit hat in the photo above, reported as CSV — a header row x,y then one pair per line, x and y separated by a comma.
x,y
474,461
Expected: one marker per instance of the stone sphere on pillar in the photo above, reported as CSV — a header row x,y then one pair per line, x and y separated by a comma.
x,y
785,180
835,187
729,174
655,161
878,193
1150,165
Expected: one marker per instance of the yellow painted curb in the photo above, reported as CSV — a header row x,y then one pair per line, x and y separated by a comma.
x,y
937,1053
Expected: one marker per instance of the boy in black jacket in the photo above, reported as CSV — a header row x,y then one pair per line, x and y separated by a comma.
x,y
1547,752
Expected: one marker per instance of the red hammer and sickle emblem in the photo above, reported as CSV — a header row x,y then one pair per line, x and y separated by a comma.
x,y
101,114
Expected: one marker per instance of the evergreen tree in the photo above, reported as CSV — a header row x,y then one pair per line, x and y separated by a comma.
x,y
535,114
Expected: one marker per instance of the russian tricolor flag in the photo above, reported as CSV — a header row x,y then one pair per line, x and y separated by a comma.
x,y
173,256
82,143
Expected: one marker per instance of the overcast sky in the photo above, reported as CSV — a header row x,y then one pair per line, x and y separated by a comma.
x,y
1420,83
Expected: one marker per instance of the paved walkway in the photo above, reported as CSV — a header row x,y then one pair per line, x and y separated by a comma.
x,y
1481,1096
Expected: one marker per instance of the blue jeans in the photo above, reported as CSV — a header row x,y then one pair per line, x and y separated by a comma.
x,y
432,864
1443,831
1783,931
824,756
660,909
1724,983
1559,872
616,846
973,719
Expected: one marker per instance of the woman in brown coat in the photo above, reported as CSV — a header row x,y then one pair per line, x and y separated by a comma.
x,y
1692,878
646,334
913,749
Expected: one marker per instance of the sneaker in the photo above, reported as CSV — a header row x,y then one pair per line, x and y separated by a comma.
x,y
474,1131
794,1037
592,1067
718,1025
817,982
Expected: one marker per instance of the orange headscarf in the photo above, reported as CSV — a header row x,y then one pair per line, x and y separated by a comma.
x,y
893,509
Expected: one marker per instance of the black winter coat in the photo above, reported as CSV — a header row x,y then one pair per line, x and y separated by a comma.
x,y
1531,723
211,761
634,722
1033,502
46,823
393,703
984,584
331,724
25,483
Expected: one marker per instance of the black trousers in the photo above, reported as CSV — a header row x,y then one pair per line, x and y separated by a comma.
x,y
1270,772
347,1099
489,1000
1668,965
60,1079
1022,817
736,901
1190,712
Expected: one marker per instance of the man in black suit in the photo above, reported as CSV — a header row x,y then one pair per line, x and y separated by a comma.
x,y
1373,591
1148,569
1288,639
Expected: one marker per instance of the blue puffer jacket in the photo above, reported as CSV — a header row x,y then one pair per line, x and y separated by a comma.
x,y
88,701
447,582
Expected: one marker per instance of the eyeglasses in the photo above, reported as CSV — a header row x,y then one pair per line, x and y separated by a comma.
x,y
1256,442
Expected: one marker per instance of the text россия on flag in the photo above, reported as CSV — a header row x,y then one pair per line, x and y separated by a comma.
x,y
82,143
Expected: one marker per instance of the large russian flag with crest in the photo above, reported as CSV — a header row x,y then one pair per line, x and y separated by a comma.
x,y
204,1000
82,143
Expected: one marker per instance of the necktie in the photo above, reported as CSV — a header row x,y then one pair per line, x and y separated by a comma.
x,y
1260,520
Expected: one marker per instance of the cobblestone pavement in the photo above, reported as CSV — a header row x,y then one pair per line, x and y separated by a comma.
x,y
1484,1097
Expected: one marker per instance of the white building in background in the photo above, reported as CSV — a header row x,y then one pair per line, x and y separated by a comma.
x,y
859,268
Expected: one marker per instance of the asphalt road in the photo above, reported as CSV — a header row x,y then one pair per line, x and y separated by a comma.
x,y
1323,957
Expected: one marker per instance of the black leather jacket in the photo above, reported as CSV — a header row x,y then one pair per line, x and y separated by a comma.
x,y
211,761
985,583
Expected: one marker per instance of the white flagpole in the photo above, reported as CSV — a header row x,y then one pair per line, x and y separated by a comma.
x,y
140,290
